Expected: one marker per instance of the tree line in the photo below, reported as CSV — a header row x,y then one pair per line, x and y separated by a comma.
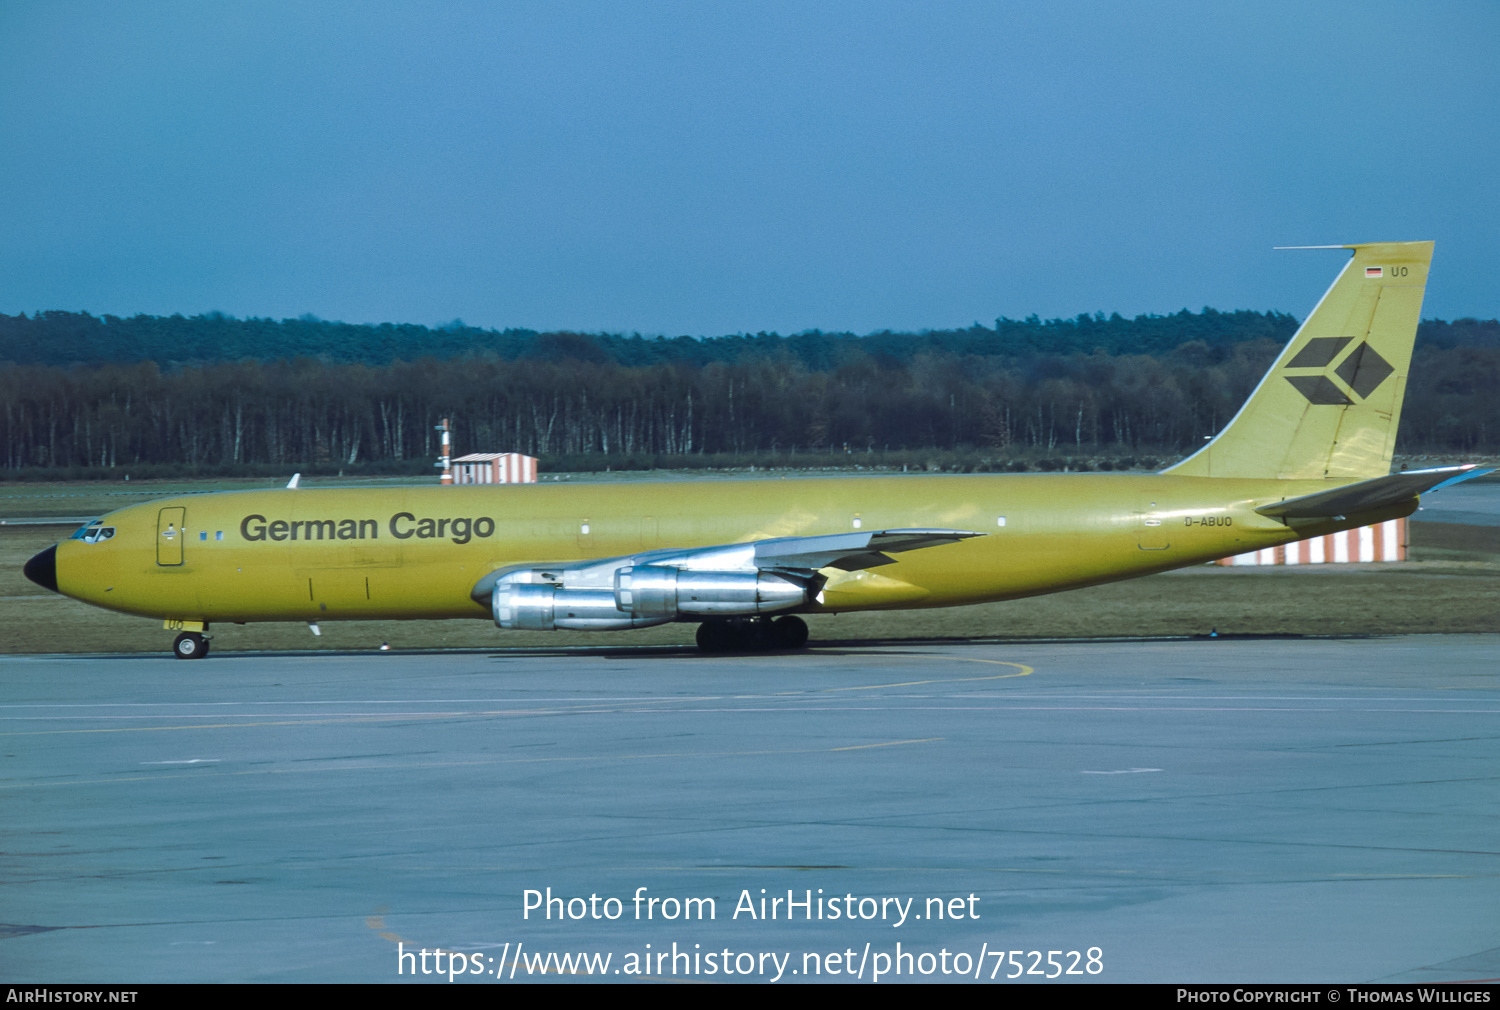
x,y
305,412
67,338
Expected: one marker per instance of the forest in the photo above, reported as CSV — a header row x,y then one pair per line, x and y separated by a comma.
x,y
85,395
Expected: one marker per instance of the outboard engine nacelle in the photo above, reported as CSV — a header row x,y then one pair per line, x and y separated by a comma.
x,y
657,591
530,607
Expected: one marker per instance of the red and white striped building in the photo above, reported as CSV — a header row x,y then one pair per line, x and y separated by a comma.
x,y
494,468
1382,542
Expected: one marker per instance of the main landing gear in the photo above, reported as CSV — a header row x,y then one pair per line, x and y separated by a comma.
x,y
752,634
190,645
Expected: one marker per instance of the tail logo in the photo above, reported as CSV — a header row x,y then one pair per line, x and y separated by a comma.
x,y
1352,380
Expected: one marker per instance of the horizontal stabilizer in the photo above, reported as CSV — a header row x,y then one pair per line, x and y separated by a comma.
x,y
1369,494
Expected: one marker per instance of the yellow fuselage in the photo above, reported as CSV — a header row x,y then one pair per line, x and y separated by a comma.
x,y
416,552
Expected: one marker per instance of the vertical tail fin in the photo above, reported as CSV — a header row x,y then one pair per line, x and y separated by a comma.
x,y
1329,406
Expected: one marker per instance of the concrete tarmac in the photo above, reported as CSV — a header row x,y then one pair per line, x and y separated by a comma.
x,y
1472,504
1320,811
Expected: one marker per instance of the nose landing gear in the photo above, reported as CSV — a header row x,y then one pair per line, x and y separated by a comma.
x,y
740,634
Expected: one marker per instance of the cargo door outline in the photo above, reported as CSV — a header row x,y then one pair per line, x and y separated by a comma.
x,y
170,533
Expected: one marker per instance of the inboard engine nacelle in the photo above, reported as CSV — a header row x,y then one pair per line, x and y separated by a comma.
x,y
644,595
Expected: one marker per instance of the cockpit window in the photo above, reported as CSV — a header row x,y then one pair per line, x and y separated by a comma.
x,y
93,533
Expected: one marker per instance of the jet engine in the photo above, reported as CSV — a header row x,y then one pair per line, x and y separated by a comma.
x,y
644,595
656,590
528,607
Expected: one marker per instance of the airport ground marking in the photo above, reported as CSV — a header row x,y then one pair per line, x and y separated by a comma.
x,y
346,720
1025,671
592,710
329,764
586,709
376,922
893,743
581,708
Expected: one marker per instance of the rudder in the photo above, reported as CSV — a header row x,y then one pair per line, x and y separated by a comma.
x,y
1330,405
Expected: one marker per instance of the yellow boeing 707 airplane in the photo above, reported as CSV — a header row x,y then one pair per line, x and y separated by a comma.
x,y
1308,454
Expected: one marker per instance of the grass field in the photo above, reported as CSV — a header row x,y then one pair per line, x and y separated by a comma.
x,y
1456,589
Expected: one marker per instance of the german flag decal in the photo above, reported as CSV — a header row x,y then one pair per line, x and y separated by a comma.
x,y
1374,271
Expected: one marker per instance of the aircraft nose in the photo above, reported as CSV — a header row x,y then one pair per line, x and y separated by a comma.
x,y
42,569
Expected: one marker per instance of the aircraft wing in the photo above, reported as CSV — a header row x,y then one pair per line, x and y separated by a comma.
x,y
850,552
1369,494
801,556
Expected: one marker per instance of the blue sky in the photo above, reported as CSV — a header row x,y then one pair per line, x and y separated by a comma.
x,y
709,168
